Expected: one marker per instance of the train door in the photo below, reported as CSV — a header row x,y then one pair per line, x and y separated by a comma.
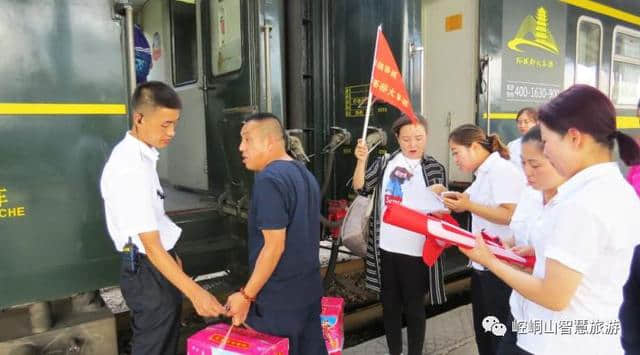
x,y
175,35
450,33
224,58
195,170
188,155
243,68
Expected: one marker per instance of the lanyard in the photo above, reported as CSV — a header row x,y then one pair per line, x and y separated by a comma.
x,y
224,341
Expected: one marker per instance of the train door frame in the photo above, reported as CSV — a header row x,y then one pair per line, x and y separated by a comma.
x,y
226,106
445,111
192,140
257,85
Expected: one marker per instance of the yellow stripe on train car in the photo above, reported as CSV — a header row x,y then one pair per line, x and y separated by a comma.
x,y
61,109
627,122
622,122
501,115
605,10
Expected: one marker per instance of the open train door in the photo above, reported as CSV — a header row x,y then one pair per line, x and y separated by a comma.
x,y
243,70
174,32
188,154
450,37
194,169
224,58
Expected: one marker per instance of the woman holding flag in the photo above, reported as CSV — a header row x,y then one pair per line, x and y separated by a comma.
x,y
592,232
394,266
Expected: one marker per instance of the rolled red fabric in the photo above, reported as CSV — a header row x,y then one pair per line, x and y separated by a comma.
x,y
445,234
416,221
407,218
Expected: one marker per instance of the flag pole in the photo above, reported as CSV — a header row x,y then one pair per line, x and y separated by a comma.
x,y
369,101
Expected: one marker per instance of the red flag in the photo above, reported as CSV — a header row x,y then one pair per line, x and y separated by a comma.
x,y
386,80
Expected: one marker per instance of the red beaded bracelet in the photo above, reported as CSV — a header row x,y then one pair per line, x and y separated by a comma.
x,y
247,297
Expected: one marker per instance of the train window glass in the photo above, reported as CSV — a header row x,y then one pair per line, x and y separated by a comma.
x,y
625,68
626,83
185,49
226,36
588,52
627,45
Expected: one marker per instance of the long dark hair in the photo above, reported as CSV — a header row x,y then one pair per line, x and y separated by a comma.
x,y
468,134
588,110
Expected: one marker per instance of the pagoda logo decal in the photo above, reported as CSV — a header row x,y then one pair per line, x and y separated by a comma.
x,y
534,31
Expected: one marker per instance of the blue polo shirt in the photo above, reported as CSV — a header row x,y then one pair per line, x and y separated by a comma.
x,y
286,195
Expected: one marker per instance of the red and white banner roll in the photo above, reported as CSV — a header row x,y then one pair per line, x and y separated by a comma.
x,y
444,234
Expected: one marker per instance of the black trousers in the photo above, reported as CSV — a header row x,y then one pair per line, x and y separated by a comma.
x,y
489,297
301,326
404,286
155,306
508,344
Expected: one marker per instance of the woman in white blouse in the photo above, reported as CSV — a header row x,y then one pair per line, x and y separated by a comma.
x,y
526,119
394,266
491,200
592,229
533,211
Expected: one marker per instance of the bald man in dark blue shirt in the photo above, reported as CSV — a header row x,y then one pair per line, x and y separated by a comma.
x,y
283,294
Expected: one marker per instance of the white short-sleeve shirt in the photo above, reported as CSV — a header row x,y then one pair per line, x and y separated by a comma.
x,y
592,229
530,223
133,197
497,182
403,182
528,210
515,153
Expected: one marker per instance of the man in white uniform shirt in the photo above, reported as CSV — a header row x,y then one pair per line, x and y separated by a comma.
x,y
151,276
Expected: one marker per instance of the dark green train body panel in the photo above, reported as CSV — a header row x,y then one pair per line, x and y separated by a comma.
x,y
354,25
51,164
500,21
72,53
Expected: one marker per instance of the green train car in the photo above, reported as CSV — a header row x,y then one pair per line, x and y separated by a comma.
x,y
67,72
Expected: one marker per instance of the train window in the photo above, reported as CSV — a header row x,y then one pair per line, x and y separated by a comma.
x,y
184,41
627,45
588,51
226,36
625,67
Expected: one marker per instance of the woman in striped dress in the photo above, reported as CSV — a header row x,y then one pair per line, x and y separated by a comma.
x,y
394,266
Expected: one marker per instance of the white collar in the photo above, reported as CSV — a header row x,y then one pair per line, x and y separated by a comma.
x,y
488,163
149,152
583,177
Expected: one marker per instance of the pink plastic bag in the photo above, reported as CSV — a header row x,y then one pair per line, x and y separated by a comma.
x,y
240,341
332,318
633,176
